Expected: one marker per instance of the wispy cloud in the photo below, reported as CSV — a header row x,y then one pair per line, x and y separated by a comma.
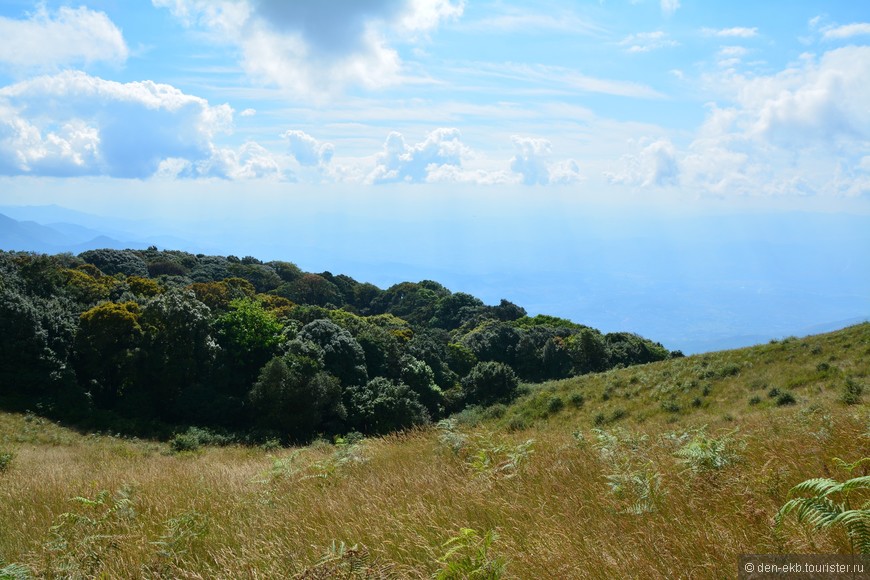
x,y
669,7
846,31
647,41
735,32
545,76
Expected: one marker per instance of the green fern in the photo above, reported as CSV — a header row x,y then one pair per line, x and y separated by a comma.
x,y
468,557
831,505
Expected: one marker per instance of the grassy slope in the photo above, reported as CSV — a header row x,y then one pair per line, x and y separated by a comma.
x,y
234,513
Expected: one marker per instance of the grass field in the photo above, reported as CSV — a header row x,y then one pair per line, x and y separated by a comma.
x,y
666,470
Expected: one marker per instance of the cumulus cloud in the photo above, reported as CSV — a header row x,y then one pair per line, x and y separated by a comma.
x,y
817,103
654,165
49,40
307,150
399,162
804,130
647,41
76,124
250,161
312,48
530,163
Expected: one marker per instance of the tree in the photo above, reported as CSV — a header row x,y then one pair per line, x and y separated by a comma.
x,y
210,269
342,354
588,351
625,348
412,302
107,351
36,337
382,406
507,311
261,276
249,336
113,262
420,378
179,352
311,289
494,341
293,395
490,382
287,271
454,310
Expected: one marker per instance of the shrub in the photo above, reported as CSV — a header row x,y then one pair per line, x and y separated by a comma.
x,y
490,382
852,391
555,404
5,460
577,400
196,437
785,399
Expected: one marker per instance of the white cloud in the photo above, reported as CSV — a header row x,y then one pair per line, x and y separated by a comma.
x,y
654,165
846,31
670,6
316,48
72,123
50,40
250,161
820,103
307,150
735,32
647,41
804,130
399,162
530,163
248,113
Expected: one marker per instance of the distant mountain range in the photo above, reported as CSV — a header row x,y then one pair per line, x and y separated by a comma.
x,y
53,229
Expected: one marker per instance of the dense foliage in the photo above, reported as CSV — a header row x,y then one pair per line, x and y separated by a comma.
x,y
148,339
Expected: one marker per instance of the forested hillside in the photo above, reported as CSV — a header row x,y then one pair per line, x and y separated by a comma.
x,y
146,341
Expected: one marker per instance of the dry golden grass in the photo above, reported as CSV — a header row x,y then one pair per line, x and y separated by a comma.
x,y
236,514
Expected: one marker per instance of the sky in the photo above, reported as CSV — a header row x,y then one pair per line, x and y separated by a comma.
x,y
465,138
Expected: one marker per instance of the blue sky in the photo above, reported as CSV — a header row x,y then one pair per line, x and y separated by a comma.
x,y
194,113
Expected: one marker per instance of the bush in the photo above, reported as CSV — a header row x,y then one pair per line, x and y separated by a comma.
x,y
196,437
852,391
577,400
5,460
785,399
490,382
555,404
